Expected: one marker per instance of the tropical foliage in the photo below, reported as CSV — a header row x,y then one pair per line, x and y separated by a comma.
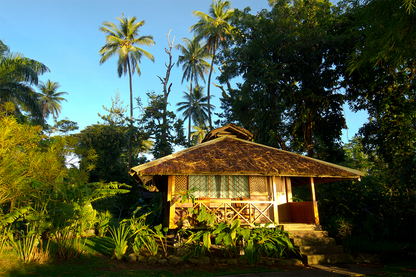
x,y
39,194
194,67
155,122
296,65
290,84
17,76
387,27
50,98
215,27
110,144
122,41
198,104
199,133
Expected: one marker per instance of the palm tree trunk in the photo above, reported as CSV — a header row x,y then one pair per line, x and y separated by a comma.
x,y
209,87
190,110
131,116
309,135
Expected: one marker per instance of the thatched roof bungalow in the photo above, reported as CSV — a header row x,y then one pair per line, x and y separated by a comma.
x,y
236,178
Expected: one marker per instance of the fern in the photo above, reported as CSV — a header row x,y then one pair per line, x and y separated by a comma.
x,y
13,216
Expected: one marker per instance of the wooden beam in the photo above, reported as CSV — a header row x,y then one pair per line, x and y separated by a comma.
x,y
275,212
281,190
313,197
289,197
171,202
315,203
171,187
315,212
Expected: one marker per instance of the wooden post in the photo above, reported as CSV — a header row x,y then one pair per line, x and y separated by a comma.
x,y
275,212
171,202
315,203
289,197
281,190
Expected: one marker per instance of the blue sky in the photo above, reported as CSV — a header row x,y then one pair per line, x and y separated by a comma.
x,y
65,36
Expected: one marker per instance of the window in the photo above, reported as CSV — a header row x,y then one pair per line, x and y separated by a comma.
x,y
219,186
258,185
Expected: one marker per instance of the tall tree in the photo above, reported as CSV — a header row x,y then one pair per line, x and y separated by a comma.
x,y
166,87
199,133
109,143
123,41
50,98
194,66
215,27
288,59
388,93
152,126
199,105
116,114
387,29
17,75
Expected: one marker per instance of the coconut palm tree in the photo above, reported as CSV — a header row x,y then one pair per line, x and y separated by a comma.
x,y
199,104
215,27
199,132
17,75
122,41
50,99
194,66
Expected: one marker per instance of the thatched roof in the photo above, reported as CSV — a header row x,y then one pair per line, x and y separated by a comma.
x,y
233,156
230,130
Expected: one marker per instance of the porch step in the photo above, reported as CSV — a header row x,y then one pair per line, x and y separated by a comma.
x,y
301,227
321,249
315,246
307,234
328,258
307,241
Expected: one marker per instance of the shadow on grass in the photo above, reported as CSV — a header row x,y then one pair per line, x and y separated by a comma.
x,y
90,267
85,265
399,269
102,245
90,263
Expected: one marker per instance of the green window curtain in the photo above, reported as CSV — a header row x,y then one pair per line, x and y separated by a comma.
x,y
239,186
219,186
200,184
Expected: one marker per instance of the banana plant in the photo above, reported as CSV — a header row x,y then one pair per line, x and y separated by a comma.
x,y
270,242
158,234
27,245
229,236
6,222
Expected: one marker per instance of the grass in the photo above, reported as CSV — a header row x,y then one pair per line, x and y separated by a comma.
x,y
95,261
358,244
398,258
93,265
405,269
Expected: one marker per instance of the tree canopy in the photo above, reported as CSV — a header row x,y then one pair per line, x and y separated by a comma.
x,y
387,29
288,60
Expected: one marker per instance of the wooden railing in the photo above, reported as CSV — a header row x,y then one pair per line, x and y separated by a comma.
x,y
297,212
249,212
